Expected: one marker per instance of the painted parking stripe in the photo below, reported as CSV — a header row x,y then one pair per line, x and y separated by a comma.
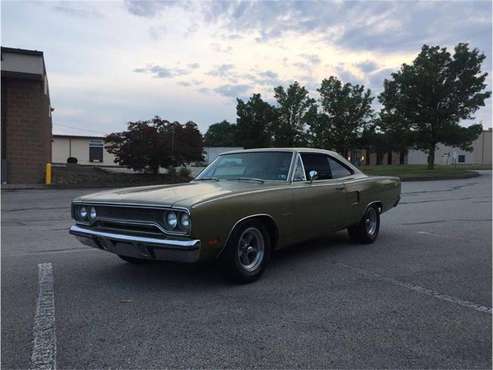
x,y
44,345
420,289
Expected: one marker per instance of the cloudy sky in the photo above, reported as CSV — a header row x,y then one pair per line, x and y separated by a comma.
x,y
112,62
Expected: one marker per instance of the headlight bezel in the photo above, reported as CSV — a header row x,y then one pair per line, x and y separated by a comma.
x,y
179,228
185,225
82,212
171,220
92,213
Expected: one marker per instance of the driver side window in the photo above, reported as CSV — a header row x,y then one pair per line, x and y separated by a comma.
x,y
318,162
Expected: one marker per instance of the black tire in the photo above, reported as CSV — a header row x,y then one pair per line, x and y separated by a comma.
x,y
133,260
237,254
366,231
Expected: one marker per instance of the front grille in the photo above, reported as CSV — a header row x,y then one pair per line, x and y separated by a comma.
x,y
148,222
129,229
127,213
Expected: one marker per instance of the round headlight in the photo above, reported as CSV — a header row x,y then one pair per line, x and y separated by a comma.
x,y
185,220
92,214
172,220
83,212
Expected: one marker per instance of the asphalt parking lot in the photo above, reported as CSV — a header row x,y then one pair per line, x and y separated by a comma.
x,y
420,297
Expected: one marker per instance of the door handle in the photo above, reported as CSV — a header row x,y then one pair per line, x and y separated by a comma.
x,y
339,187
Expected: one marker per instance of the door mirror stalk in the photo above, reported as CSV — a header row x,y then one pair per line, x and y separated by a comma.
x,y
313,175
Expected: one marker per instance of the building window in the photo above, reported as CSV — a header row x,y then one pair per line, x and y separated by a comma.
x,y
462,158
96,150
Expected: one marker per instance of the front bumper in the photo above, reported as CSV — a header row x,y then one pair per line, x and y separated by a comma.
x,y
138,246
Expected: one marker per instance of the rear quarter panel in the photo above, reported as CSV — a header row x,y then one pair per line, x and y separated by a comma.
x,y
363,191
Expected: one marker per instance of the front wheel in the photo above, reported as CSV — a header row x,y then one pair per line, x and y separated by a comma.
x,y
366,231
247,253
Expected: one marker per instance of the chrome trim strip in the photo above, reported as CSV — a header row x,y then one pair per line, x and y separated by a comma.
x,y
164,243
131,223
292,167
226,241
206,167
298,157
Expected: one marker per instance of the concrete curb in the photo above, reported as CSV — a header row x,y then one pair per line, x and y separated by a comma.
x,y
13,187
16,187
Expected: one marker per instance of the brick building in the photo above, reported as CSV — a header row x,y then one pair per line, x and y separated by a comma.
x,y
26,116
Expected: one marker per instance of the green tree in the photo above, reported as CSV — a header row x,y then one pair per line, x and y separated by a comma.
x,y
427,99
255,119
346,112
295,109
221,134
149,145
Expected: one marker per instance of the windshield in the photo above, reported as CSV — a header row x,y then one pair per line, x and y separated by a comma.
x,y
249,165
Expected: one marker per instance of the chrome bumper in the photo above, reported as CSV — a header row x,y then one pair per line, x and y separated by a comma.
x,y
139,246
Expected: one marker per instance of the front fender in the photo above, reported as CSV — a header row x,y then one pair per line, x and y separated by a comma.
x,y
213,221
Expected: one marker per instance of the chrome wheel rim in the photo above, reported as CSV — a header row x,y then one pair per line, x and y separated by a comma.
x,y
371,221
251,248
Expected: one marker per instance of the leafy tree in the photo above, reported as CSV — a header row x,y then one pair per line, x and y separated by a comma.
x,y
346,112
427,99
188,143
255,119
149,145
295,109
221,134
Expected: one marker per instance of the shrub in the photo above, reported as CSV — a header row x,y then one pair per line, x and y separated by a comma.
x,y
184,172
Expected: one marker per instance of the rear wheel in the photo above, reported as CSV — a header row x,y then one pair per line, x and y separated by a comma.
x,y
133,260
247,253
366,231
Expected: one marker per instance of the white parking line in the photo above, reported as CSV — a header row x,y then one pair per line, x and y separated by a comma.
x,y
44,345
420,289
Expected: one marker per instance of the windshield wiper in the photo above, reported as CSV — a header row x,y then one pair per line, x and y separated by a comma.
x,y
260,181
206,179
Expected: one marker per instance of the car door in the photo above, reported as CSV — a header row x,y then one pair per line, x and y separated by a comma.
x,y
319,204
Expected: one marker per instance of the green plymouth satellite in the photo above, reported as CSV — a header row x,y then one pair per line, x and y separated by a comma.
x,y
239,209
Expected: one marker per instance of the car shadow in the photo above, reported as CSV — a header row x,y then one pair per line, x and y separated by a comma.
x,y
315,248
195,277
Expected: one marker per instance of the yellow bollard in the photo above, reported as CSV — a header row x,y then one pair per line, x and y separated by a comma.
x,y
48,174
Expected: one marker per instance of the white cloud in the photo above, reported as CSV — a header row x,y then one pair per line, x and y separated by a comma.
x,y
111,62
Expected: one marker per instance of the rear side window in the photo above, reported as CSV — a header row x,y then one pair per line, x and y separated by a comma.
x,y
338,169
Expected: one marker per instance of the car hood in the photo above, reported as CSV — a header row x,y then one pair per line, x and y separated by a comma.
x,y
183,195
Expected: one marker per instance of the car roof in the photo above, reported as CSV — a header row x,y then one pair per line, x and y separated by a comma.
x,y
298,149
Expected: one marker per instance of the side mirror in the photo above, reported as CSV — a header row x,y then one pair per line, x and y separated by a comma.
x,y
313,175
